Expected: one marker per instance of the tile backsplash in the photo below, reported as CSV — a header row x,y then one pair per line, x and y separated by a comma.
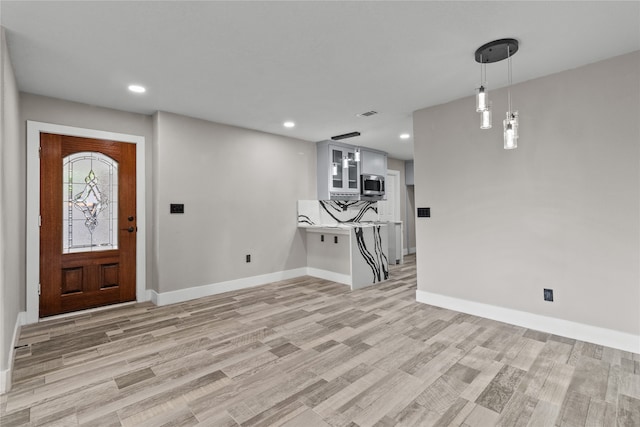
x,y
326,212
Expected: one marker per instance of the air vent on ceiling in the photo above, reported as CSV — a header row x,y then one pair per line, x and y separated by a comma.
x,y
367,114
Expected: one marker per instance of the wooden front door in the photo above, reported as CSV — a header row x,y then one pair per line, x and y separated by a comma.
x,y
88,223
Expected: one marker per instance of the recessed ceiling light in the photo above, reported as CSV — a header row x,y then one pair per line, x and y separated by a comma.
x,y
288,124
405,136
137,89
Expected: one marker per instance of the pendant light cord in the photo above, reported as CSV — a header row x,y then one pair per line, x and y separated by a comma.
x,y
509,88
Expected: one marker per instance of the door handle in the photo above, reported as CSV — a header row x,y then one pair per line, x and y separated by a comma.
x,y
130,229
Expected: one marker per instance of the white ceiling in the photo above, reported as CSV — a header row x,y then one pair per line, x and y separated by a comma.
x,y
257,64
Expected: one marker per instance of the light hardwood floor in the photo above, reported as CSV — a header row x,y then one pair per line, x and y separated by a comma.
x,y
308,352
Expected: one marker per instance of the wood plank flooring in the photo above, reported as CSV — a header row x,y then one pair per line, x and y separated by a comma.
x,y
311,353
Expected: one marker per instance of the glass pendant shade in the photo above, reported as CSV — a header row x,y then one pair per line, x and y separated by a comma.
x,y
485,118
334,169
511,131
345,162
482,99
356,155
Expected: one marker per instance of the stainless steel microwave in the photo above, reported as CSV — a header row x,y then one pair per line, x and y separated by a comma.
x,y
371,185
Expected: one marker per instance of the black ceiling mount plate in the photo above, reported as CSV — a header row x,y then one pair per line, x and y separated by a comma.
x,y
496,50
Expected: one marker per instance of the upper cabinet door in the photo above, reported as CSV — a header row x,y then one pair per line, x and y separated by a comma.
x,y
373,162
336,171
343,179
353,174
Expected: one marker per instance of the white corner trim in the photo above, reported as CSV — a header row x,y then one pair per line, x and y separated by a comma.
x,y
33,205
580,331
332,276
148,295
4,379
172,297
5,376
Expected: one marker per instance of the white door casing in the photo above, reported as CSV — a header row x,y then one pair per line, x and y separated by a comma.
x,y
389,210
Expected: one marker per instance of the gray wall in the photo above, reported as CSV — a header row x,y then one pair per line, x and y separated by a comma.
x,y
12,207
561,211
411,218
239,188
61,112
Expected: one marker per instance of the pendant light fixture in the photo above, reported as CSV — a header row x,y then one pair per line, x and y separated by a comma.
x,y
356,155
488,53
482,95
511,131
510,124
345,162
485,117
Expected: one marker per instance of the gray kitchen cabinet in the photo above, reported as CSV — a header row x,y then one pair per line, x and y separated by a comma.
x,y
373,162
408,173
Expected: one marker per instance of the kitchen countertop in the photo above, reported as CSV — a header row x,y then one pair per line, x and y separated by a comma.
x,y
343,225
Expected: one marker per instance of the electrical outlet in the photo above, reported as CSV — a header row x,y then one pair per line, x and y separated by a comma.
x,y
248,258
548,295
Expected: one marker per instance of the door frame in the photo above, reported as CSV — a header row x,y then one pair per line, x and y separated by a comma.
x,y
396,190
33,206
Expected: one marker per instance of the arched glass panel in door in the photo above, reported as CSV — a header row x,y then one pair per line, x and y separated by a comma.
x,y
89,203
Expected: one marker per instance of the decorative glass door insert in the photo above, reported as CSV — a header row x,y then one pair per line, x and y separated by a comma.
x,y
90,203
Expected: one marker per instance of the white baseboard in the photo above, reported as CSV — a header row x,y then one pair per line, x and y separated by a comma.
x,y
5,376
172,297
593,334
345,279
